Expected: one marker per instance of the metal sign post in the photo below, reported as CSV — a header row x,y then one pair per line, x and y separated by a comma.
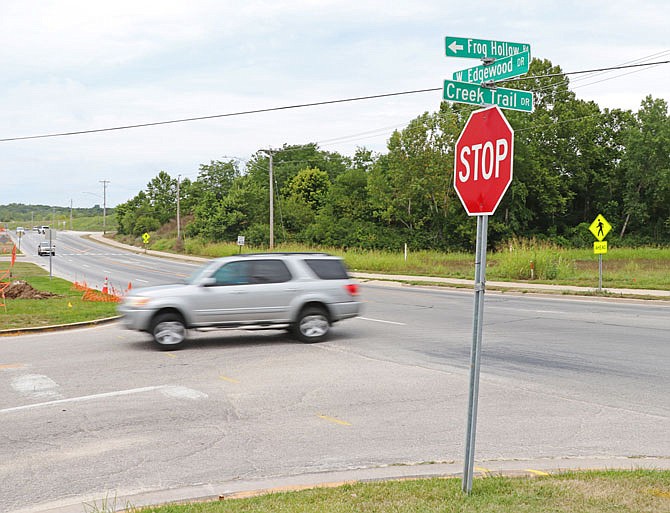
x,y
600,228
483,161
475,353
600,272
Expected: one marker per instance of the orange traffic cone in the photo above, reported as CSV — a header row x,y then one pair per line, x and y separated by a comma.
x,y
105,286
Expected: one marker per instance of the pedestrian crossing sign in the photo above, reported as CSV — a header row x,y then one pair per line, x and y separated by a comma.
x,y
600,227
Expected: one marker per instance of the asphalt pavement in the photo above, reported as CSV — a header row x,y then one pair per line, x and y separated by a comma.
x,y
244,488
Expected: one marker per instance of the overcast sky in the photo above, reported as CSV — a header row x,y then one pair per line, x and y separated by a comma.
x,y
71,65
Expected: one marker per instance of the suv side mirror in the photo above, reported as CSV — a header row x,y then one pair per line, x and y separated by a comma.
x,y
208,282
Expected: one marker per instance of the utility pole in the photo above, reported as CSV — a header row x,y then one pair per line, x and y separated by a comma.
x,y
272,209
70,214
104,205
178,220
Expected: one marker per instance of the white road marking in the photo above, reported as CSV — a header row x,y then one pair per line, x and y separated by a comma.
x,y
36,385
168,390
183,393
380,320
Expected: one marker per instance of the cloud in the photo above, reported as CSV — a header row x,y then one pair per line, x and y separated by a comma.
x,y
73,65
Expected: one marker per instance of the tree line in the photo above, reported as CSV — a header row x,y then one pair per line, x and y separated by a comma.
x,y
572,161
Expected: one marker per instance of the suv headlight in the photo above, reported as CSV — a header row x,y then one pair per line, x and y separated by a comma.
x,y
137,301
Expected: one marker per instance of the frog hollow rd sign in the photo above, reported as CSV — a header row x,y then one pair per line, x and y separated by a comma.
x,y
483,161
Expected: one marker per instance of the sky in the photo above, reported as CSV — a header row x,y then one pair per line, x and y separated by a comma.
x,y
71,66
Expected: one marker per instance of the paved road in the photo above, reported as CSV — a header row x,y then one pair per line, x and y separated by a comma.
x,y
83,260
97,412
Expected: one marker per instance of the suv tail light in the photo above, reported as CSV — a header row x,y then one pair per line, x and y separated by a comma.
x,y
352,288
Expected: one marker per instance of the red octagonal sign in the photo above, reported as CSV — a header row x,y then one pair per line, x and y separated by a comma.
x,y
483,161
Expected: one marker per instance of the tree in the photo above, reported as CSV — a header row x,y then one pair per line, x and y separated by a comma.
x,y
311,185
410,187
162,196
547,155
128,213
646,172
217,177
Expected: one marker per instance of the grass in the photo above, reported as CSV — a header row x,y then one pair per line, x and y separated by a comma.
x,y
79,223
539,262
638,491
67,308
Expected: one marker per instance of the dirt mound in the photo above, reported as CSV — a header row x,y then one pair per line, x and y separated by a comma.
x,y
22,290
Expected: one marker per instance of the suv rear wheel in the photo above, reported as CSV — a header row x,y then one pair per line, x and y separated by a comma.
x,y
312,325
168,331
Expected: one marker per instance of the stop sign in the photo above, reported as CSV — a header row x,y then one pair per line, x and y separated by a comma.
x,y
483,161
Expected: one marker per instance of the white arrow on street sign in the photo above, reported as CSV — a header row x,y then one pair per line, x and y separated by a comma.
x,y
455,47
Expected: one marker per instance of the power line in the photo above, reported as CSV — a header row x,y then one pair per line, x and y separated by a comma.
x,y
302,105
215,116
611,68
589,75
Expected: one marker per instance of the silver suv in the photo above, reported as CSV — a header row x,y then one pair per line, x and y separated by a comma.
x,y
46,248
304,292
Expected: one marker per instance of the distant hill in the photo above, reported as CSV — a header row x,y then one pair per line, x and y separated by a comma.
x,y
19,214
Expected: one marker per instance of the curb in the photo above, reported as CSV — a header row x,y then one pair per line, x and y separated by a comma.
x,y
236,488
520,288
98,237
57,327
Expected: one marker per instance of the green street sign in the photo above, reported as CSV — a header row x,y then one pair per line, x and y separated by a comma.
x,y
500,69
482,48
474,94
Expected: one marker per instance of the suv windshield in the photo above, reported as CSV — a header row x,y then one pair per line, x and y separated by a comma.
x,y
200,273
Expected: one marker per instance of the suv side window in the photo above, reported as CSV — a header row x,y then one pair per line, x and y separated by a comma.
x,y
233,273
270,271
327,269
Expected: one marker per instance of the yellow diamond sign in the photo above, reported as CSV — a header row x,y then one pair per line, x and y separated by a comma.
x,y
600,227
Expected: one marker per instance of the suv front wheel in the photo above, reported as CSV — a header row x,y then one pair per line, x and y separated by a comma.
x,y
312,325
168,331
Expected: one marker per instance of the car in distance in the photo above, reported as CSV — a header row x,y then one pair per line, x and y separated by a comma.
x,y
303,292
46,248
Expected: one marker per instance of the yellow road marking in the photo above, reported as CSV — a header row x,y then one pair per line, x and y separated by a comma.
x,y
11,366
334,420
229,380
536,472
482,469
170,355
289,488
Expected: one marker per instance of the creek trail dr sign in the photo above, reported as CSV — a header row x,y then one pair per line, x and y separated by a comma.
x,y
483,161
